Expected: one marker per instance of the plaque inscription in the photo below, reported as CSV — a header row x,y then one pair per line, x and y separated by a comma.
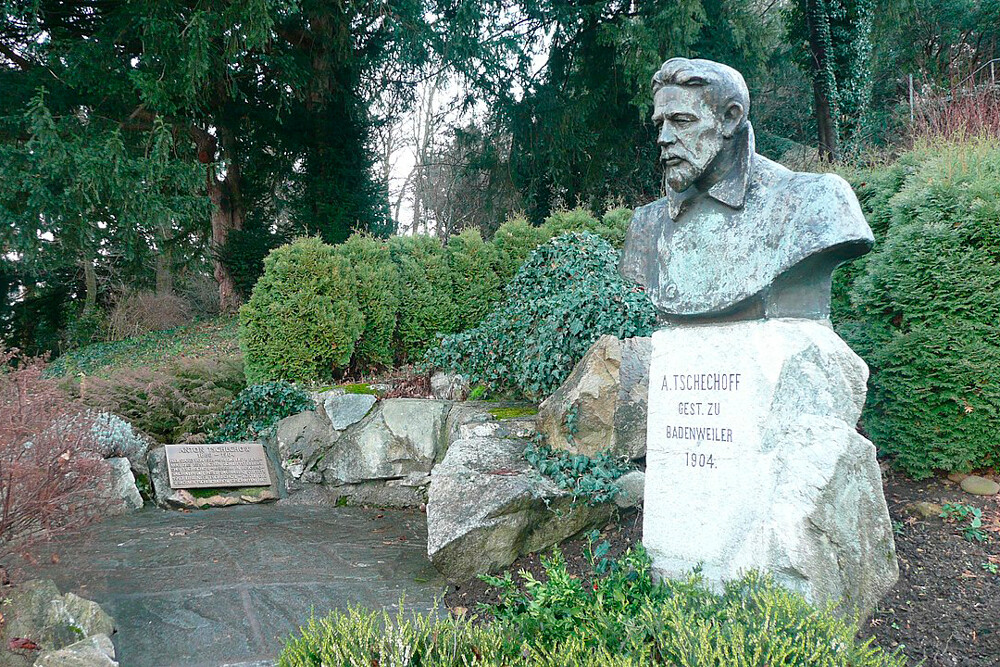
x,y
209,466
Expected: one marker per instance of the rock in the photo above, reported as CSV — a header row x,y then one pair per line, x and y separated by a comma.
x,y
754,461
486,506
449,386
980,486
602,404
400,436
38,612
96,651
301,439
924,509
632,487
347,409
123,492
957,477
170,498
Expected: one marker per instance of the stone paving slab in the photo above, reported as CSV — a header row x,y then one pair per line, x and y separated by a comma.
x,y
228,586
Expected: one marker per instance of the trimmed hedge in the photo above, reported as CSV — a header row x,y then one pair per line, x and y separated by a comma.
x,y
925,309
303,318
369,303
377,280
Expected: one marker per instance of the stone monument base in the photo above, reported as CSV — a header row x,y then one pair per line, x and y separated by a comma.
x,y
753,461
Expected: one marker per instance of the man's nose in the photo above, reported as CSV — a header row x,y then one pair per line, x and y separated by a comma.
x,y
667,136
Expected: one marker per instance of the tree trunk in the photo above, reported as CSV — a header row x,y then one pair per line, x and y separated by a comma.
x,y
90,281
824,80
164,273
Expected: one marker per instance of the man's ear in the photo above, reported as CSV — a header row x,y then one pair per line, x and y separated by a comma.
x,y
731,119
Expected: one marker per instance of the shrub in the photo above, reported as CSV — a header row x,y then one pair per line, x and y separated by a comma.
x,y
426,307
303,318
618,618
50,477
475,283
924,315
177,402
137,313
565,296
259,407
378,298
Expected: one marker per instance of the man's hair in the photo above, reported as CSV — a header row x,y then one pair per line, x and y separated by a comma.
x,y
722,83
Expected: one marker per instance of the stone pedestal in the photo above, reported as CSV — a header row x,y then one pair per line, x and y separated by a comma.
x,y
753,461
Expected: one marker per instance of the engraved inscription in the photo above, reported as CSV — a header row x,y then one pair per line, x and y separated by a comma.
x,y
208,466
699,403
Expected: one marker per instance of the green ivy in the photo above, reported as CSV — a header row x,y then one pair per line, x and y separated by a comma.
x,y
588,479
563,298
259,407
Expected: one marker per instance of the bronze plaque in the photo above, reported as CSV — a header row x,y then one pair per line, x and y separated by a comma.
x,y
209,466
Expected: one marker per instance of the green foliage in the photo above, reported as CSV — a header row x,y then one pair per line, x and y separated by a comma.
x,y
619,618
378,289
175,402
588,479
476,286
303,319
257,408
210,338
515,240
426,306
563,298
923,314
969,520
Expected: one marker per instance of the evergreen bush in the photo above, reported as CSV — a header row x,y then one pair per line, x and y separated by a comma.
x,y
426,306
303,318
563,298
925,313
514,241
475,283
378,291
619,618
257,408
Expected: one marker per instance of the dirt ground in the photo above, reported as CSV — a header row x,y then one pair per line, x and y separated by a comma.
x,y
945,608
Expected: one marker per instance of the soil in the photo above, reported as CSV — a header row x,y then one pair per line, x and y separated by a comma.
x,y
944,610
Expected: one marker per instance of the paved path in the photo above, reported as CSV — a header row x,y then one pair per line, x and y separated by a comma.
x,y
228,586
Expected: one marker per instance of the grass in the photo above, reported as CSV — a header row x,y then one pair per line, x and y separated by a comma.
x,y
208,338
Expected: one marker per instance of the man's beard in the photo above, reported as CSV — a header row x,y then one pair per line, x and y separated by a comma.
x,y
681,176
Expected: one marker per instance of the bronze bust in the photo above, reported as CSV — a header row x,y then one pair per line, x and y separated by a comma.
x,y
737,236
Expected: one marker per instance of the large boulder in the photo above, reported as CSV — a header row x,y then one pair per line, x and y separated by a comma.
x,y
96,651
347,409
486,506
601,407
754,461
302,440
37,612
123,494
399,437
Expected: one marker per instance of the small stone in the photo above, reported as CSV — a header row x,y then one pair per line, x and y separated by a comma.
x,y
957,477
347,409
924,509
449,386
632,486
980,486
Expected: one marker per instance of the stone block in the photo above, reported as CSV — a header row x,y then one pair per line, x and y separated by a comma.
x,y
754,462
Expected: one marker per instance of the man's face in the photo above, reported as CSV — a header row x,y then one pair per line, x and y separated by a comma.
x,y
690,133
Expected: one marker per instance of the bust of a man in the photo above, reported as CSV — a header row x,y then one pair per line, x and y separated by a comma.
x,y
737,236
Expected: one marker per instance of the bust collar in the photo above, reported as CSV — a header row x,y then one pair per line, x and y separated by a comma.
x,y
731,190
